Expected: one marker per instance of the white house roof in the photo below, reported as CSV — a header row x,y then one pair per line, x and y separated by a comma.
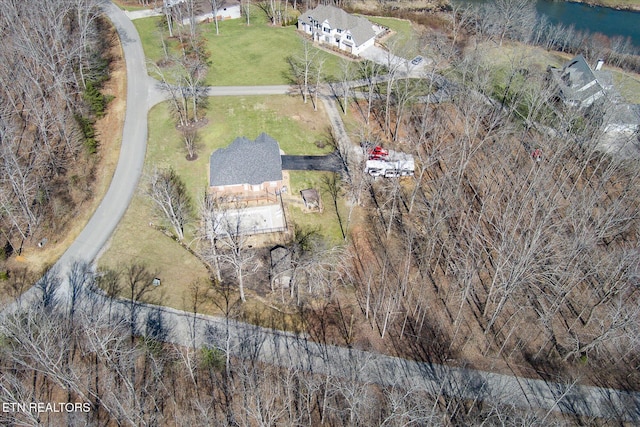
x,y
360,28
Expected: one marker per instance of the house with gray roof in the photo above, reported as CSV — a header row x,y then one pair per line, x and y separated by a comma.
x,y
247,166
579,85
335,27
582,87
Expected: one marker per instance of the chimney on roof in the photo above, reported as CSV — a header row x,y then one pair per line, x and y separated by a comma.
x,y
599,64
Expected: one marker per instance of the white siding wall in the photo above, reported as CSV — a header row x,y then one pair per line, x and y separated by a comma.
x,y
344,44
363,46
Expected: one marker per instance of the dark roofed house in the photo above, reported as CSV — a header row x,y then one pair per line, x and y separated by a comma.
x,y
578,85
247,166
333,26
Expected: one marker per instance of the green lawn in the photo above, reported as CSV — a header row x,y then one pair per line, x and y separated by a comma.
x,y
402,27
136,241
293,124
327,221
628,85
242,55
510,56
149,30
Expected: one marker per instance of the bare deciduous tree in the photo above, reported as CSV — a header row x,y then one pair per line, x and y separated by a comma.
x,y
228,228
170,197
303,66
190,137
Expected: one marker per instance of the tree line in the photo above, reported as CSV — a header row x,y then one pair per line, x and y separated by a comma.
x,y
490,248
55,59
119,359
518,20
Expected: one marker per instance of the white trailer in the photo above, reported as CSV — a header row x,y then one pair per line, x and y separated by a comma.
x,y
394,165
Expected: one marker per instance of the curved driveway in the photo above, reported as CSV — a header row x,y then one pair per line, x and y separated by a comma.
x,y
295,351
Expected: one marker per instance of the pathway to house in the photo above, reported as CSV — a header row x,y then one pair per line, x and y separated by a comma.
x,y
143,13
280,348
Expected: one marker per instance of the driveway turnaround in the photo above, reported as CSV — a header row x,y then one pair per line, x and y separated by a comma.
x,y
384,57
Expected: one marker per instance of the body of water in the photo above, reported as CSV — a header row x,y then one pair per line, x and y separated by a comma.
x,y
609,22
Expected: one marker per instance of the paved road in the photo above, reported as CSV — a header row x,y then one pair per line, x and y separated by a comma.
x,y
125,179
330,163
296,351
156,95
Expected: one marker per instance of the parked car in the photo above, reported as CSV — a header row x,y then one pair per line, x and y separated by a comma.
x,y
416,60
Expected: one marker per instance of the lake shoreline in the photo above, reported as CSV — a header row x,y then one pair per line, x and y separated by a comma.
x,y
625,7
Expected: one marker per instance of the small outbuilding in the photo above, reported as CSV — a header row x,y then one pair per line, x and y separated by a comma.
x,y
311,199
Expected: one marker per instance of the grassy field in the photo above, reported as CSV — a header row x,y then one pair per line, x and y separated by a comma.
x,y
403,29
296,127
150,30
293,124
628,85
242,55
520,56
327,221
135,241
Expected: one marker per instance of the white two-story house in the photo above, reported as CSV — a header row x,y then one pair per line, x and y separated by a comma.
x,y
335,27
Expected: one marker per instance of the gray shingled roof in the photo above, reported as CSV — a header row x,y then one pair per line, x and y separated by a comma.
x,y
246,162
578,71
360,28
574,80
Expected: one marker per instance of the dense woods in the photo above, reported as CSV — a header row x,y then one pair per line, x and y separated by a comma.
x,y
118,360
519,258
54,61
517,238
